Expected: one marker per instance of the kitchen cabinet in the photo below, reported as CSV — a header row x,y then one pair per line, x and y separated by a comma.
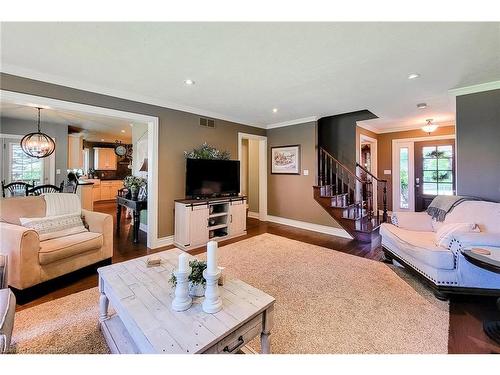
x,y
104,159
75,152
109,189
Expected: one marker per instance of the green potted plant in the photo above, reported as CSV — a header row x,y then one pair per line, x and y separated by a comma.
x,y
196,280
134,183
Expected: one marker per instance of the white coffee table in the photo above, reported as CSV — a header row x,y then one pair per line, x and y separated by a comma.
x,y
145,323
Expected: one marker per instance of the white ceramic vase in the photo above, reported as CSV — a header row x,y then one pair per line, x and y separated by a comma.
x,y
196,290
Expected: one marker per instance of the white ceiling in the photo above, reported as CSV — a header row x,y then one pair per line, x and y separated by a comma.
x,y
93,127
244,70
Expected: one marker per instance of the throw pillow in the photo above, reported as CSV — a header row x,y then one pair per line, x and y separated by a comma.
x,y
55,226
445,232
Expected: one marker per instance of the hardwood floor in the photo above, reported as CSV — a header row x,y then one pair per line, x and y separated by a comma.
x,y
466,312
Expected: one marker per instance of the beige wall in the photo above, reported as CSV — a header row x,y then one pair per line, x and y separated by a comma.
x,y
385,152
253,175
178,132
291,196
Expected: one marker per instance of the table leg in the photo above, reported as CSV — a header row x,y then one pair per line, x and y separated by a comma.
x,y
265,340
492,328
136,226
118,217
103,302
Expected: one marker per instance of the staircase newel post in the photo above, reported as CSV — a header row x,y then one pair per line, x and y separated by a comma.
x,y
384,200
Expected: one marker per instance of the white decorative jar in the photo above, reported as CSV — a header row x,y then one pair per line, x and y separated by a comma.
x,y
196,290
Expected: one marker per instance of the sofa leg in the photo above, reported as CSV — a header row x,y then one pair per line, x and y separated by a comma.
x,y
387,258
440,296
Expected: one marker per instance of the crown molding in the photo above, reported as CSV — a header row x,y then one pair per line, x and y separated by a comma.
x,y
487,86
416,127
121,94
292,122
368,127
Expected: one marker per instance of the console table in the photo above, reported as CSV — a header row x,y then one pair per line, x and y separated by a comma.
x,y
136,207
490,262
145,322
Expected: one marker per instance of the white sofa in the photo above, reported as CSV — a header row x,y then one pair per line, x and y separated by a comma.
x,y
410,240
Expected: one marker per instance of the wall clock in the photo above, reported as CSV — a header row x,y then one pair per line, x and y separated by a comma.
x,y
120,150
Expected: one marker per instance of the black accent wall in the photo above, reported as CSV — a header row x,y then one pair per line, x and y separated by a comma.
x,y
478,145
337,135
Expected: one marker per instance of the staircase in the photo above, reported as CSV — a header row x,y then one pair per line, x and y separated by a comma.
x,y
349,197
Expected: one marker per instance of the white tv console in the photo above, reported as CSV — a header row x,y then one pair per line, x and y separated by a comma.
x,y
198,221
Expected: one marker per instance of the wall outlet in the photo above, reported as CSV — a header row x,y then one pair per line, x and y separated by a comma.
x,y
58,171
306,172
387,171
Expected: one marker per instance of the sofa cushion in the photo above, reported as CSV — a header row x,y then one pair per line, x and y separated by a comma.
x,y
446,232
419,245
65,247
50,227
11,209
485,214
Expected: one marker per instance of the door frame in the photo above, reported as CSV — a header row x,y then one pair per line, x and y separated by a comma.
x,y
153,241
396,143
262,169
363,139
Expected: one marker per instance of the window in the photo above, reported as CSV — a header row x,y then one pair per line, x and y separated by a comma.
x,y
438,170
23,167
403,178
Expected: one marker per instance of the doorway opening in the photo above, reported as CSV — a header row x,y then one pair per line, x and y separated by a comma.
x,y
368,158
151,150
252,154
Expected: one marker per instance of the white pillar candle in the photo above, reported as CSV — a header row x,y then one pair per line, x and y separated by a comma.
x,y
212,257
183,262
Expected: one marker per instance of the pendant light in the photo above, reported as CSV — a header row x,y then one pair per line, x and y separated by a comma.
x,y
38,145
429,127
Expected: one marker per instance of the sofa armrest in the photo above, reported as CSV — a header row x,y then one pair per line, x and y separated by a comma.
x,y
3,271
415,221
101,223
21,245
468,239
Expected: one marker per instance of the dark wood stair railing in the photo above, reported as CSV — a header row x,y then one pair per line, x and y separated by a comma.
x,y
348,197
378,183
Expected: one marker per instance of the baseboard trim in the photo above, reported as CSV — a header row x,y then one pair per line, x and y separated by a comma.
x,y
339,232
163,241
253,215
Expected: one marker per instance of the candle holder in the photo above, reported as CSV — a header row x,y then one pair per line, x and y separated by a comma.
x,y
182,301
213,301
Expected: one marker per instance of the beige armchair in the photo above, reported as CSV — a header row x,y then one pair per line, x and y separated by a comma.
x,y
7,308
31,261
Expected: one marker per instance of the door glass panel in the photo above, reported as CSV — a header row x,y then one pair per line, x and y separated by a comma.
x,y
445,151
430,164
444,164
445,189
430,188
437,165
429,152
444,176
430,176
404,198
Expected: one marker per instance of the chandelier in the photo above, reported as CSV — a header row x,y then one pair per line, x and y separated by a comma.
x,y
38,145
429,127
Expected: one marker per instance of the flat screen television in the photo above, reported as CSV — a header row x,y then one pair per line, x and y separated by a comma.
x,y
212,178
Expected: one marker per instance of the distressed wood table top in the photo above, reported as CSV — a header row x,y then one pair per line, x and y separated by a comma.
x,y
142,298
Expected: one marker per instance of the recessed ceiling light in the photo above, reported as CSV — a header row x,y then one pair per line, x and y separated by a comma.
x,y
189,82
413,75
131,125
102,139
123,130
275,110
421,105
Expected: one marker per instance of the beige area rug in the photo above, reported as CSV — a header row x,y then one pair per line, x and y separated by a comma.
x,y
326,302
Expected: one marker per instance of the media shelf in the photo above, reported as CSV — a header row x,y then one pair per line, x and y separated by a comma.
x,y
198,221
